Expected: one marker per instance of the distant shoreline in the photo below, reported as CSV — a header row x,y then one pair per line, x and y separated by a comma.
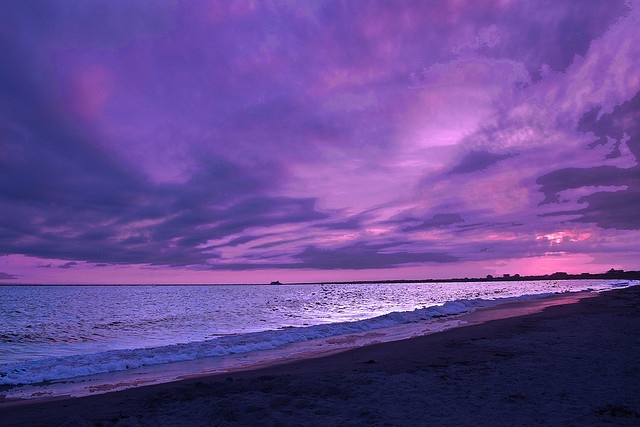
x,y
609,275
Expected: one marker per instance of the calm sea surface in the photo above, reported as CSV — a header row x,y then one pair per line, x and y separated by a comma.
x,y
87,329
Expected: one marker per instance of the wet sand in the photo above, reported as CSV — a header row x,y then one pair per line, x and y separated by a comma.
x,y
570,364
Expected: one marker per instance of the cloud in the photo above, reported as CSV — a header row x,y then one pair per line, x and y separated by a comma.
x,y
608,209
477,161
437,221
346,224
174,239
68,265
362,256
93,211
7,276
563,179
289,135
551,33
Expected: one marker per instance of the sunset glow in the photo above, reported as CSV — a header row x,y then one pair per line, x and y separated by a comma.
x,y
245,142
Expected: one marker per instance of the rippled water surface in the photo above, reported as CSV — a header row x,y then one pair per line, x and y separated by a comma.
x,y
44,321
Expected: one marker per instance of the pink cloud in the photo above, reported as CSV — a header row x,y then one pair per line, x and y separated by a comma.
x,y
92,88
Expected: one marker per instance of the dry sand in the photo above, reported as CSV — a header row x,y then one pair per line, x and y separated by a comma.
x,y
573,364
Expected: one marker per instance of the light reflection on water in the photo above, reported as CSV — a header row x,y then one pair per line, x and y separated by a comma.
x,y
44,321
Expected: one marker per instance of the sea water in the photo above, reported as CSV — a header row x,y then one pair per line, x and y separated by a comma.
x,y
57,332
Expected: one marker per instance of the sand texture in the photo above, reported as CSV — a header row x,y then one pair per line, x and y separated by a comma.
x,y
575,364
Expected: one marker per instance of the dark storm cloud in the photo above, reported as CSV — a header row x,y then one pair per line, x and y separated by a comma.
x,y
195,226
617,210
63,197
610,129
171,241
555,182
608,209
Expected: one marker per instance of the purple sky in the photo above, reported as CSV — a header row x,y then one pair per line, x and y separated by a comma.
x,y
241,141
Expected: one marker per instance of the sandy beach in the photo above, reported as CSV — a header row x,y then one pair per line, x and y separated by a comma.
x,y
570,364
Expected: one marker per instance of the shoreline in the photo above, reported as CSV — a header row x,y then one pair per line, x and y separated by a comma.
x,y
567,364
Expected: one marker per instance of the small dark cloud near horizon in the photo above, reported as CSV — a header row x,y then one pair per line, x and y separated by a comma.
x,y
70,264
436,221
477,161
276,243
7,276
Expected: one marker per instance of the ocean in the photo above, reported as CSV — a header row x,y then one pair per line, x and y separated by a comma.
x,y
54,333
